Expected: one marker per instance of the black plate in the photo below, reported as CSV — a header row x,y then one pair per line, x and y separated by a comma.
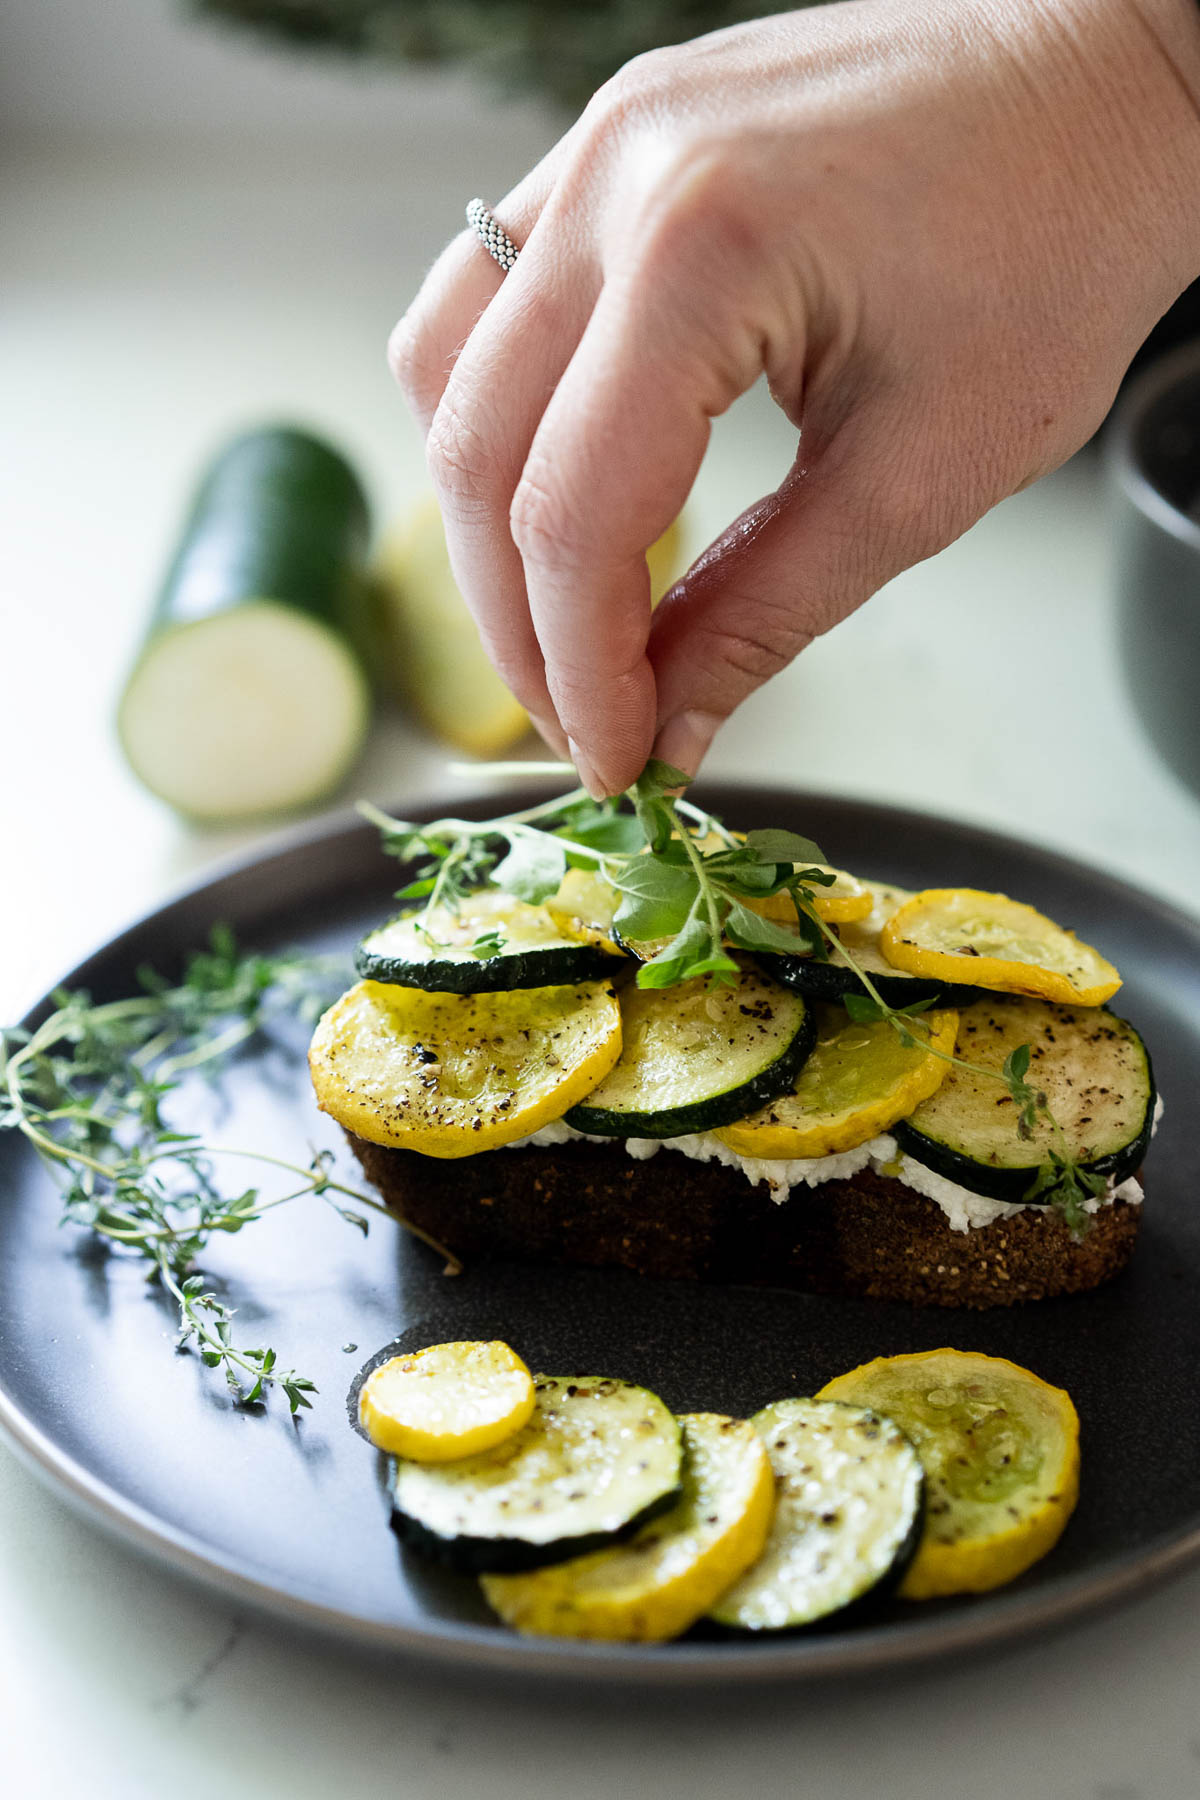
x,y
293,1518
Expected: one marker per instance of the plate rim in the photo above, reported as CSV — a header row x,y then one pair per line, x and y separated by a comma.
x,y
986,1623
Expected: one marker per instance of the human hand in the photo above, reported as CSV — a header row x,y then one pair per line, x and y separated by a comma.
x,y
941,232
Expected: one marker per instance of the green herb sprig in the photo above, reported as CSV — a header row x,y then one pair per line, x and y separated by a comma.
x,y
684,879
680,874
89,1089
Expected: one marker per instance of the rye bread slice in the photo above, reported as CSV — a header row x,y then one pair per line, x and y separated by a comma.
x,y
868,1237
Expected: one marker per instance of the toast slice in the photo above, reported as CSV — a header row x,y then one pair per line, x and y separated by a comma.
x,y
870,1236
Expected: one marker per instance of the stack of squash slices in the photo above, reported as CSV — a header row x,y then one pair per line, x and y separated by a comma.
x,y
479,1028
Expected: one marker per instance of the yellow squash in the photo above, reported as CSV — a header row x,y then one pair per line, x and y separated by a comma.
x,y
452,1074
675,1568
989,941
583,909
1000,1448
446,1401
426,646
845,902
858,1080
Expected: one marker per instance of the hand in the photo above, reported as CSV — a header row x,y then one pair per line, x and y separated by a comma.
x,y
941,232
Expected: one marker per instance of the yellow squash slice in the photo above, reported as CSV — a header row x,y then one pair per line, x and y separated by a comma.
x,y
858,1080
447,1401
842,904
676,1567
860,937
425,645
453,1074
1001,1454
990,941
845,900
583,909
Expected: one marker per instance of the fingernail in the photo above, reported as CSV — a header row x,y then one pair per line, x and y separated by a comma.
x,y
683,740
586,772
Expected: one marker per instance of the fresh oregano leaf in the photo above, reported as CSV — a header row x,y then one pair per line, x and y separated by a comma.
x,y
533,868
783,846
753,932
658,778
616,834
688,956
657,898
863,1009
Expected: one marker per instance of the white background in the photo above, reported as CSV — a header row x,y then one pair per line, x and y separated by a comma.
x,y
198,233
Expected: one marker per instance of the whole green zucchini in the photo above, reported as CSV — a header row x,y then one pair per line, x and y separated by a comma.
x,y
246,697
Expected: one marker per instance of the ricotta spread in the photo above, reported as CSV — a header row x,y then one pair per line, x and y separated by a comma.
x,y
963,1210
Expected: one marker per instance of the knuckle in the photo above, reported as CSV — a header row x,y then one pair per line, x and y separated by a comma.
x,y
543,522
634,92
910,514
462,461
763,640
418,369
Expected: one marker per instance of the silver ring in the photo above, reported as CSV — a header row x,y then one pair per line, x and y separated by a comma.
x,y
492,235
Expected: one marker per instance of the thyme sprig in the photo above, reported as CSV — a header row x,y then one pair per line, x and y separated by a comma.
x,y
89,1089
684,879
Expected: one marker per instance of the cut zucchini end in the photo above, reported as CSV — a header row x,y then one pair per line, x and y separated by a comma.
x,y
258,709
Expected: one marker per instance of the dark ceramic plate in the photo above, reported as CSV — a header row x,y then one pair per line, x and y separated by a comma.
x,y
292,1518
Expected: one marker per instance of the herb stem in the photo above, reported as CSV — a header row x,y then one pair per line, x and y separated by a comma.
x,y
214,1047
707,892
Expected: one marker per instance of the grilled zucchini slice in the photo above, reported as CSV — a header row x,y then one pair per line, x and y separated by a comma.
x,y
597,1459
1093,1069
695,1057
666,1577
848,1510
832,979
1000,1449
989,941
857,1081
521,946
453,1074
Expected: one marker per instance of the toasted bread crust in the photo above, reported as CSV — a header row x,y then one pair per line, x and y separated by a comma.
x,y
871,1237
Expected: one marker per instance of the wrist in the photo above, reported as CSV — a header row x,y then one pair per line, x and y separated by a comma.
x,y
1119,83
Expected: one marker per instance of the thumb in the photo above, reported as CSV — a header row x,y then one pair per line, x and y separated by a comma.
x,y
793,565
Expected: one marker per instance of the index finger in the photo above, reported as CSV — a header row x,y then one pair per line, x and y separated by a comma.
x,y
609,468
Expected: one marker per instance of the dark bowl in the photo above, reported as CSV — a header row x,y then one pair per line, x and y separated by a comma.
x,y
1153,456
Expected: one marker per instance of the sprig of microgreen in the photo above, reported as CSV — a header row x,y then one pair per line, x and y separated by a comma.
x,y
89,1089
682,876
684,880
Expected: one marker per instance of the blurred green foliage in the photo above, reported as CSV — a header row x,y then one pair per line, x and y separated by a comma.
x,y
563,48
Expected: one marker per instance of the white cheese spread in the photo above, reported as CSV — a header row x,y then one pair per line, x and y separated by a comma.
x,y
963,1210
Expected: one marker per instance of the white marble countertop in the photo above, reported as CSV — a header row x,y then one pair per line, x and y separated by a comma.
x,y
151,305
